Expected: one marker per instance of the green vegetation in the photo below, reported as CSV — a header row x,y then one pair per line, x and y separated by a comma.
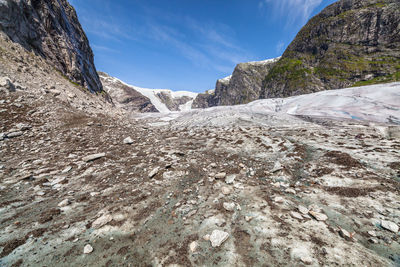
x,y
289,68
395,77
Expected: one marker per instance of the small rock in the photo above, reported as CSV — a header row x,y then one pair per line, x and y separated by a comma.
x,y
306,260
225,190
290,191
220,175
87,249
67,169
128,141
193,246
213,165
345,234
372,233
15,134
230,179
206,237
218,237
248,218
278,199
303,209
154,172
93,157
55,92
101,221
23,127
318,216
277,167
391,226
5,82
64,203
296,215
373,241
229,206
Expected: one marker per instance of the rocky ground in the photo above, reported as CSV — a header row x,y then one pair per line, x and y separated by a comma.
x,y
291,191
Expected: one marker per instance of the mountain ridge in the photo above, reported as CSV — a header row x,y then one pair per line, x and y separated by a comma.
x,y
52,30
349,43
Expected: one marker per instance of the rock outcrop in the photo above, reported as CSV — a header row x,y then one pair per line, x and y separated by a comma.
x,y
124,96
137,99
173,103
350,43
242,87
50,28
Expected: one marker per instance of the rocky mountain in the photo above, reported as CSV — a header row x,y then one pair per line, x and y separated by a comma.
x,y
135,98
50,28
124,96
243,86
350,43
310,180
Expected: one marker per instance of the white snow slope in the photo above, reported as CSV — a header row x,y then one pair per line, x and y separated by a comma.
x,y
375,103
152,95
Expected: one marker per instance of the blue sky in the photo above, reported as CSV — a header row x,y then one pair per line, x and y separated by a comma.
x,y
188,44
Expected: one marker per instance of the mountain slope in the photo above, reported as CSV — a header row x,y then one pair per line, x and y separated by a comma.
x,y
146,100
51,29
124,96
243,86
350,43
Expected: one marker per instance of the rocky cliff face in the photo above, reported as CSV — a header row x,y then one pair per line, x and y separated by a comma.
x,y
137,99
50,28
124,96
242,87
350,43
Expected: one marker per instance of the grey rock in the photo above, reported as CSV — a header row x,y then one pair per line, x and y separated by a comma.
x,y
14,134
128,141
220,175
51,29
93,157
218,237
230,179
318,216
390,226
87,249
154,172
243,86
229,206
6,83
64,203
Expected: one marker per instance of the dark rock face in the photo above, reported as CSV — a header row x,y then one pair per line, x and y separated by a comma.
x,y
126,97
205,100
171,102
242,87
350,43
51,29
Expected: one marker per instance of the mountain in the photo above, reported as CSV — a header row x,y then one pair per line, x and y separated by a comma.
x,y
50,28
243,86
138,99
350,43
310,180
125,96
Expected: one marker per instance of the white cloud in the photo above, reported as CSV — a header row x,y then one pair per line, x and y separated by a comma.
x,y
279,47
294,10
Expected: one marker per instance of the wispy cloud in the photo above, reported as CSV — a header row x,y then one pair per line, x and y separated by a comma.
x,y
207,44
295,10
279,47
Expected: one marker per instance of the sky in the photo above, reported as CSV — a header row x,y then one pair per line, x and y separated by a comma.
x,y
188,44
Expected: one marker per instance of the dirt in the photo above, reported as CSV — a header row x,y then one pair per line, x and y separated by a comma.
x,y
343,159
